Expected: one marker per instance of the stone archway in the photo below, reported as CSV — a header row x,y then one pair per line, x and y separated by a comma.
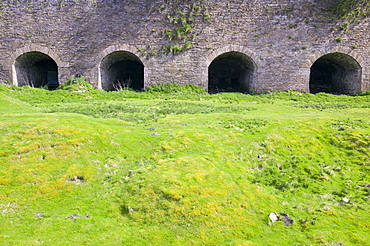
x,y
245,61
120,63
232,71
336,73
36,69
121,69
22,59
348,58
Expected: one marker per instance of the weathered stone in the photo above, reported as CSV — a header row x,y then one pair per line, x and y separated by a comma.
x,y
283,39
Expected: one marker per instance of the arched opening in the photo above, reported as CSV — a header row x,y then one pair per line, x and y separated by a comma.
x,y
336,73
36,69
122,69
231,72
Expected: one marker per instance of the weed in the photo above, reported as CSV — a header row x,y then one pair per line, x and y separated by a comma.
x,y
76,84
344,26
349,9
172,49
339,39
174,88
120,85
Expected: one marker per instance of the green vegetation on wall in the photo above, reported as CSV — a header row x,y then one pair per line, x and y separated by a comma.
x,y
350,9
181,17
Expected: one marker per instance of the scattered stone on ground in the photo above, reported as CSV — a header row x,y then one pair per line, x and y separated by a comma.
x,y
76,216
344,199
286,219
78,178
274,217
39,215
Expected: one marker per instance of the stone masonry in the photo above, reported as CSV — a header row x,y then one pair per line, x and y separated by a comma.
x,y
266,44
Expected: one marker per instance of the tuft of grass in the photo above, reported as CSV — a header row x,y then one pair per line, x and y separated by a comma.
x,y
76,84
175,88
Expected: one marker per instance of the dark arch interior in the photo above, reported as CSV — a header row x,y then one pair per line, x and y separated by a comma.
x,y
36,69
122,69
231,72
335,73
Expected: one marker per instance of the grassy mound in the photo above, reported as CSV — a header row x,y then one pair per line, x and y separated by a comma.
x,y
129,168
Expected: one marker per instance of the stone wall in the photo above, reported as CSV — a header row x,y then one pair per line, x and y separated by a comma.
x,y
281,38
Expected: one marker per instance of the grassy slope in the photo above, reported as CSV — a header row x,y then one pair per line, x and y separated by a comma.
x,y
183,169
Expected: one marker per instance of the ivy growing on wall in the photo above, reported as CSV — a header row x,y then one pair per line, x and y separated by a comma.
x,y
181,17
350,9
2,6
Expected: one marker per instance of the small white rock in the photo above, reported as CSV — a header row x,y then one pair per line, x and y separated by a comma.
x,y
346,200
130,210
274,217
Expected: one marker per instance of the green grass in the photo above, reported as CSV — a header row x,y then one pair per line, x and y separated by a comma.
x,y
182,168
